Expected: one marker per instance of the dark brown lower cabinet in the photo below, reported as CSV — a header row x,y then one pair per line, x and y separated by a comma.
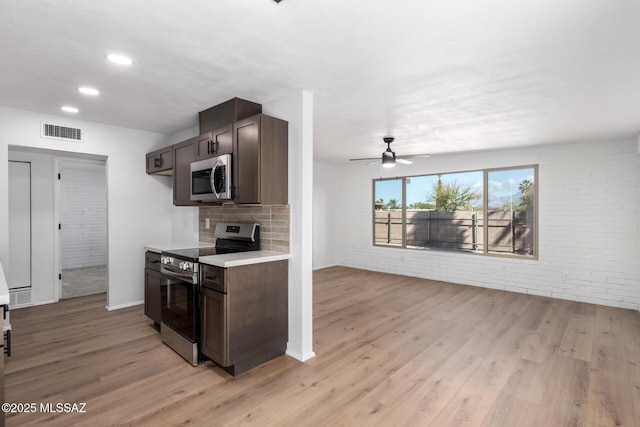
x,y
214,314
244,314
152,285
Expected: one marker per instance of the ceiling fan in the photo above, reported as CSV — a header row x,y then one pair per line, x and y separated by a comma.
x,y
389,158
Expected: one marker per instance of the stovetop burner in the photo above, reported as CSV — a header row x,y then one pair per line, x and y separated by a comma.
x,y
232,238
190,254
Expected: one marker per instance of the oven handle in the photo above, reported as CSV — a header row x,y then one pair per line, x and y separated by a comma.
x,y
184,277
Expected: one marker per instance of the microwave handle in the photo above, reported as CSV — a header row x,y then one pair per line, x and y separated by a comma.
x,y
213,180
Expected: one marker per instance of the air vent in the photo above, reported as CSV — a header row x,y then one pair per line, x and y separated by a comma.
x,y
19,298
61,132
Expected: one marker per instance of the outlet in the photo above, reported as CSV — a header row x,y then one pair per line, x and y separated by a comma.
x,y
207,223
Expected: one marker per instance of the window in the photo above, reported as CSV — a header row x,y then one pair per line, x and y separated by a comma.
x,y
510,211
448,211
387,212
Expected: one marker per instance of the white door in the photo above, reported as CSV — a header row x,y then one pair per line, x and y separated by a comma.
x,y
19,275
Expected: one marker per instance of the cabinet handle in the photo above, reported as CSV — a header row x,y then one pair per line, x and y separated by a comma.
x,y
157,162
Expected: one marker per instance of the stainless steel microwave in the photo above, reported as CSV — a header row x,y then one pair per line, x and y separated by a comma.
x,y
211,179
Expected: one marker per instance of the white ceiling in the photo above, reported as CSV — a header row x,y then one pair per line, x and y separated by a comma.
x,y
440,76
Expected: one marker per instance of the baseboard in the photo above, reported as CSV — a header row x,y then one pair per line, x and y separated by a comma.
x,y
127,305
298,356
325,266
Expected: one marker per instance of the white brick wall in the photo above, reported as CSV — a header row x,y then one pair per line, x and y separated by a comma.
x,y
588,225
83,215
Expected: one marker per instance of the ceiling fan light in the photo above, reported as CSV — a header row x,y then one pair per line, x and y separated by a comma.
x,y
388,159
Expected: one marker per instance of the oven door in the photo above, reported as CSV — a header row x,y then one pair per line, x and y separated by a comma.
x,y
180,304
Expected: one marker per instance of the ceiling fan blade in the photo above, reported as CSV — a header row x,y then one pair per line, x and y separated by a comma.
x,y
404,161
415,156
373,163
364,158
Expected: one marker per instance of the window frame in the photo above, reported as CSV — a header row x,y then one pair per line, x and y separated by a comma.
x,y
485,213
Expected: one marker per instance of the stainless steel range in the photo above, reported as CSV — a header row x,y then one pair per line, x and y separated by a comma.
x,y
180,290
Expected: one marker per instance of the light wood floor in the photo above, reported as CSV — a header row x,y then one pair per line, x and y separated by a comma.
x,y
390,351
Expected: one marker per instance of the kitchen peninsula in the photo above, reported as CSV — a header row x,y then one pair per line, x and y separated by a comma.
x,y
230,308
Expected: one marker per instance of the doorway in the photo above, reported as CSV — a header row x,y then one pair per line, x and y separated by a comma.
x,y
82,212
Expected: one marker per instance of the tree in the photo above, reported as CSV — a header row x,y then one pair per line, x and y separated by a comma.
x,y
393,204
526,194
452,196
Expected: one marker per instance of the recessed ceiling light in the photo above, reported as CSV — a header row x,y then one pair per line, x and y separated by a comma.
x,y
69,109
88,91
119,59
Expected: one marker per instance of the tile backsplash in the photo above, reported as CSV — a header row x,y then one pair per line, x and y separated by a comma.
x,y
274,223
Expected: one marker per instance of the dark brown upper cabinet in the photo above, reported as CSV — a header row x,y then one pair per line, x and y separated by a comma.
x,y
227,113
260,160
183,156
215,143
160,162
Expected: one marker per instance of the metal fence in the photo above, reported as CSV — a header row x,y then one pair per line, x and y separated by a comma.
x,y
508,231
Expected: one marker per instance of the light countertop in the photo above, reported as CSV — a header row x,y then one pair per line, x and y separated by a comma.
x,y
223,260
173,246
243,258
4,289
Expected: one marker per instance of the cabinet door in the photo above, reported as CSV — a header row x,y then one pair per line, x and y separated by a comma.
x,y
223,140
166,158
183,156
246,160
151,161
152,295
213,326
215,143
204,146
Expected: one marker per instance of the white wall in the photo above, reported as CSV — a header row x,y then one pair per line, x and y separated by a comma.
x,y
297,109
588,225
139,205
325,214
83,214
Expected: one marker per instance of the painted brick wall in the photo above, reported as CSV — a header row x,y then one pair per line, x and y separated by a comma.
x,y
588,226
83,215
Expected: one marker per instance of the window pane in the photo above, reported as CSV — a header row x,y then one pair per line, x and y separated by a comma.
x,y
445,211
388,213
510,210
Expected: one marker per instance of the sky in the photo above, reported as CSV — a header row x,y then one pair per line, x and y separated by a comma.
x,y
502,183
